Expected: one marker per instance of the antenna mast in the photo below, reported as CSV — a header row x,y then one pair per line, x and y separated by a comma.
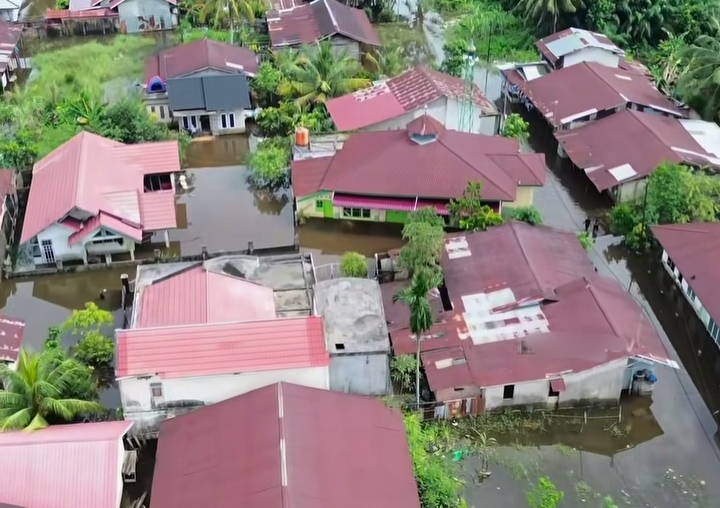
x,y
468,105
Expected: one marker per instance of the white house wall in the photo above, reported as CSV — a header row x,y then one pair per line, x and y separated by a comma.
x,y
603,383
133,13
136,395
598,55
360,374
59,235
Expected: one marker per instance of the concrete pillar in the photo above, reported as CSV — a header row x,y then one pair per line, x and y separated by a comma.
x,y
108,259
561,151
85,256
167,239
132,254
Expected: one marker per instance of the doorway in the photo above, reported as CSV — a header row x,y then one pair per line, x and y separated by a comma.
x,y
48,253
204,123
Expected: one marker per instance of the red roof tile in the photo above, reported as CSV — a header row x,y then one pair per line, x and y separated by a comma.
x,y
317,20
198,296
693,248
11,336
581,39
586,87
69,178
63,466
283,445
390,163
222,348
641,140
200,55
409,91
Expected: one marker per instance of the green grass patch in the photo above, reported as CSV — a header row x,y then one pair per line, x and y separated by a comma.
x,y
416,50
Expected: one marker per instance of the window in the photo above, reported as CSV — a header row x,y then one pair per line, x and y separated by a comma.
x,y
156,390
152,109
319,204
339,346
358,213
188,121
36,248
152,183
691,293
551,392
162,112
508,392
119,241
458,389
714,330
227,121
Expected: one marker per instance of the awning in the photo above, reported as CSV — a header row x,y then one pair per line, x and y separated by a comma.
x,y
399,204
557,385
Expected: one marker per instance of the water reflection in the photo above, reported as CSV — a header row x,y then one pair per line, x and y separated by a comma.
x,y
218,151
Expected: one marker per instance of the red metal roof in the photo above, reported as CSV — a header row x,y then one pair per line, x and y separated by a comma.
x,y
115,3
222,348
198,296
584,37
693,248
285,445
70,178
11,336
10,34
391,163
641,140
317,20
85,14
409,91
157,210
7,181
586,87
103,220
63,466
199,55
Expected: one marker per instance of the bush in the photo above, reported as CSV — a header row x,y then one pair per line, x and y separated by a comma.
x,y
528,214
403,371
516,127
545,495
623,218
95,350
353,264
270,164
265,85
586,240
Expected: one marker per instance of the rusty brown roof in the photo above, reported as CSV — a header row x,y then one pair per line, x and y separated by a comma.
x,y
591,87
641,141
285,445
693,248
311,22
394,163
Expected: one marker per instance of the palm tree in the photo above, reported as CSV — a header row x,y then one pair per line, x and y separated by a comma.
x,y
230,12
319,74
388,63
541,11
701,76
415,296
33,393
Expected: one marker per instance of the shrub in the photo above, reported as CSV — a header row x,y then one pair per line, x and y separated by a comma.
x,y
95,350
545,495
516,127
623,218
353,264
270,164
528,214
402,371
586,240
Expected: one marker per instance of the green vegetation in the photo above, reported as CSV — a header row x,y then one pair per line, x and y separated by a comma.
x,y
402,371
675,194
545,494
528,214
94,349
270,164
516,127
425,236
353,264
469,212
414,47
586,240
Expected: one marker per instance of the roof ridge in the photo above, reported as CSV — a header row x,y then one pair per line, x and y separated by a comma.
x,y
332,15
606,315
637,115
282,447
513,225
366,162
134,331
80,173
594,69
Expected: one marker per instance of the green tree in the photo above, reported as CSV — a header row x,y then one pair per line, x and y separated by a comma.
x,y
227,13
33,393
319,74
424,246
387,62
353,264
94,349
283,120
127,120
269,165
402,371
469,212
415,296
454,51
701,75
516,127
266,83
546,13
545,495
527,214
427,215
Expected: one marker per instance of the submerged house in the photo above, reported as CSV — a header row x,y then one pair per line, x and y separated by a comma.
x,y
9,208
528,323
125,16
382,176
11,53
64,466
393,103
282,445
12,332
689,257
203,332
81,211
619,152
201,85
295,23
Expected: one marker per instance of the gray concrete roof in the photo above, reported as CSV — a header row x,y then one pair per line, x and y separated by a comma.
x,y
353,313
290,276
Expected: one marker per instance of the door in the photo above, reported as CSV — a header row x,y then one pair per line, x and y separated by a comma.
x,y
47,251
205,123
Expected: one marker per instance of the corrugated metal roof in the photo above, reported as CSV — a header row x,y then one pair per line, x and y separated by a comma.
x,y
559,44
69,177
286,445
222,348
63,466
210,93
158,211
198,296
409,91
11,336
401,167
113,224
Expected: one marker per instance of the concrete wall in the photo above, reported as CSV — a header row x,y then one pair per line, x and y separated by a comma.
x,y
240,117
629,191
59,236
137,398
524,197
600,384
598,55
340,44
365,374
145,16
160,108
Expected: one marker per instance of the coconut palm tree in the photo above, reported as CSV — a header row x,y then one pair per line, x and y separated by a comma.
x,y
33,393
320,73
541,12
220,13
415,296
388,62
701,74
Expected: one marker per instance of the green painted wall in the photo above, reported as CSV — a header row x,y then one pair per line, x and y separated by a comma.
x,y
396,216
328,210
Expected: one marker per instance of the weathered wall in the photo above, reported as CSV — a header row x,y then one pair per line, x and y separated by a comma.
x,y
598,55
524,197
145,16
360,374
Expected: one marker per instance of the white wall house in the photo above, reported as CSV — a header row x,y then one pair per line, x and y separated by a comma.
x,y
9,10
168,370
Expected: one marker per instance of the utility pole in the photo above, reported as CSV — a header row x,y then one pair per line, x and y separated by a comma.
x,y
467,106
